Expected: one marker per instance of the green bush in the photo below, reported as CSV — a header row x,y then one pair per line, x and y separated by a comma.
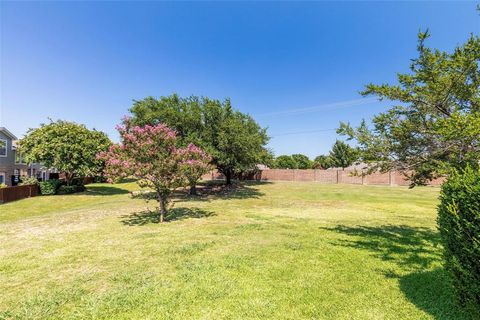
x,y
459,224
70,189
67,189
49,187
27,180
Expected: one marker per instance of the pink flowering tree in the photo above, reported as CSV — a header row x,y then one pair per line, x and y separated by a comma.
x,y
150,155
194,164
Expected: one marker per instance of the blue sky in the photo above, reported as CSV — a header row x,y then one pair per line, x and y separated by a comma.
x,y
296,67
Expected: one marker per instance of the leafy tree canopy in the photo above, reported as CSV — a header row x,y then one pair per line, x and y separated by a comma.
x,y
150,154
322,162
69,147
435,124
303,162
285,162
342,155
234,140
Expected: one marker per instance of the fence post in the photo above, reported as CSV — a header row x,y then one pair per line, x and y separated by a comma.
x,y
337,177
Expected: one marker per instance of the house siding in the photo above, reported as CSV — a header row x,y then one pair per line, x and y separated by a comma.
x,y
7,164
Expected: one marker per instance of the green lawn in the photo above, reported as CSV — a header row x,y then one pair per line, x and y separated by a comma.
x,y
273,250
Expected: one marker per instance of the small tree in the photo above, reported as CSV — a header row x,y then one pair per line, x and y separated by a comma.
x,y
323,162
68,147
434,123
342,155
150,155
194,164
285,162
303,162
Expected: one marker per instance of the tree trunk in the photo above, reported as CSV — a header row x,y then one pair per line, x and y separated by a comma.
x,y
68,178
228,177
193,190
162,208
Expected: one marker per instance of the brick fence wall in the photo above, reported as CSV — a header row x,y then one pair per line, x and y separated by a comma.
x,y
329,176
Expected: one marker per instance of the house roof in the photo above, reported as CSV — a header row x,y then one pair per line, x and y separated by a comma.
x,y
8,133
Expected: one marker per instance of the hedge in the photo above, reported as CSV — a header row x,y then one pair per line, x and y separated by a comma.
x,y
49,187
459,225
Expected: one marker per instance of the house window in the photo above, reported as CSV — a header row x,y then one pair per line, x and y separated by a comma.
x,y
3,148
19,158
2,177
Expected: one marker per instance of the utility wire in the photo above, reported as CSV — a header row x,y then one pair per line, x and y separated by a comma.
x,y
324,107
300,132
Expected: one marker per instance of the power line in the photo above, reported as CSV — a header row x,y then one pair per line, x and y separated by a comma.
x,y
301,132
324,107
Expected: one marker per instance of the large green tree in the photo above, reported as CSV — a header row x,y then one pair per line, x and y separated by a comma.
x,y
434,125
342,155
234,140
184,115
285,162
68,147
303,162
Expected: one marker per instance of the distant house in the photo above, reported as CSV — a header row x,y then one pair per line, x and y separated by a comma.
x,y
12,166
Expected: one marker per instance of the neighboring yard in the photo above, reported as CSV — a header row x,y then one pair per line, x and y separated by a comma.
x,y
273,250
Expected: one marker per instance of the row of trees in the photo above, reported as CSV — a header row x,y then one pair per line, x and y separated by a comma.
x,y
341,155
166,143
235,142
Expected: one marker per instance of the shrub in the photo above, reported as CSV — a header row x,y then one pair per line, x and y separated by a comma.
x,y
67,189
3,185
459,224
28,180
63,189
49,187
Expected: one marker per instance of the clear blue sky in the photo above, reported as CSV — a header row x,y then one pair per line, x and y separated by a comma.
x,y
296,67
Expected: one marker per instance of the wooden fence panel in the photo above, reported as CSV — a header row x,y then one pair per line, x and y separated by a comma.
x,y
18,192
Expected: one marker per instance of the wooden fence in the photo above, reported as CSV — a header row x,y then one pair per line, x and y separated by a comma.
x,y
16,193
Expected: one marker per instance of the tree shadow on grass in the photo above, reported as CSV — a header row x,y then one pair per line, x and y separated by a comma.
x,y
409,247
431,291
104,191
188,213
416,251
147,217
213,190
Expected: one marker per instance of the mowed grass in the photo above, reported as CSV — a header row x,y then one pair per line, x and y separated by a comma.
x,y
263,251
